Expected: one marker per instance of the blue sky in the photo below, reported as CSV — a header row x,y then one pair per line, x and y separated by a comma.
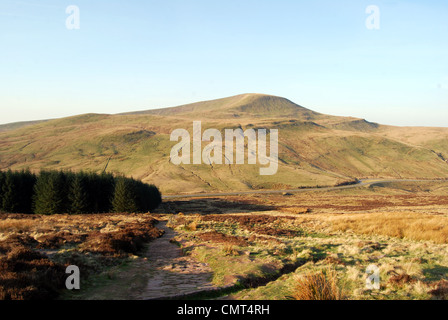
x,y
136,55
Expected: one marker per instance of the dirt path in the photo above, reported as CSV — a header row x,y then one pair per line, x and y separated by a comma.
x,y
161,272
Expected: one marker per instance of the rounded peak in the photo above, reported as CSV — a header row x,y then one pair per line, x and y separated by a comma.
x,y
257,96
246,104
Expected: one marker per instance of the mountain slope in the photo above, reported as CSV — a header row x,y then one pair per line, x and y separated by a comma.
x,y
314,149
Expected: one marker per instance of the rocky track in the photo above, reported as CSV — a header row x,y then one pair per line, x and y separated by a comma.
x,y
162,272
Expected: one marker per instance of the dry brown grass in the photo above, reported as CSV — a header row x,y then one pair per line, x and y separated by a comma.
x,y
410,225
16,225
321,285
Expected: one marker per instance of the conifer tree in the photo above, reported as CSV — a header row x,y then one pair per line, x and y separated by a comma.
x,y
125,196
77,196
106,190
49,197
155,197
10,191
26,182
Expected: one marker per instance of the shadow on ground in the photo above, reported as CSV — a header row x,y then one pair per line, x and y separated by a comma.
x,y
212,206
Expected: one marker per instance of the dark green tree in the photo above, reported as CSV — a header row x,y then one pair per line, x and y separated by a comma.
x,y
77,195
125,196
49,193
149,197
101,191
155,197
105,192
26,182
10,192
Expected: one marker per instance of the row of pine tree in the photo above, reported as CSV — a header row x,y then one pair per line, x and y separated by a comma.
x,y
56,192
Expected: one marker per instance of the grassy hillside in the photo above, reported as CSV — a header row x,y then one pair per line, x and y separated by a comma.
x,y
314,149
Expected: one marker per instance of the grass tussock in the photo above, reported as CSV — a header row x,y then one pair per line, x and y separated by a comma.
x,y
321,285
193,226
230,250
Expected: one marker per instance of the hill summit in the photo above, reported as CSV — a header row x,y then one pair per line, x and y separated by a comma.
x,y
248,105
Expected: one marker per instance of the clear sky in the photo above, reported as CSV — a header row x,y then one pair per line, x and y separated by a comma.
x,y
139,54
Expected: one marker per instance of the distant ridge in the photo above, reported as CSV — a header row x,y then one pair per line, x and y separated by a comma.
x,y
17,125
